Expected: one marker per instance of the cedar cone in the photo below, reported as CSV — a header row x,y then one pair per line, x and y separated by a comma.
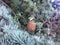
x,y
31,25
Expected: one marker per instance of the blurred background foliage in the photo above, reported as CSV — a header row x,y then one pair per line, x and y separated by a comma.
x,y
41,10
46,19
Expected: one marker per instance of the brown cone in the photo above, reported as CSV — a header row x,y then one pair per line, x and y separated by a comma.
x,y
31,26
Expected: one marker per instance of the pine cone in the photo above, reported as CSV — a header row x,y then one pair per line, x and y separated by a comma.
x,y
31,25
